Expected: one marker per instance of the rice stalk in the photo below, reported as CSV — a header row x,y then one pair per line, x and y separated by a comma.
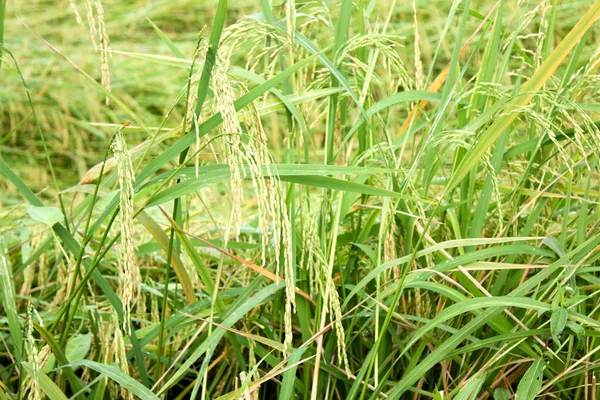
x,y
115,351
419,79
31,350
91,19
129,272
390,239
75,12
104,48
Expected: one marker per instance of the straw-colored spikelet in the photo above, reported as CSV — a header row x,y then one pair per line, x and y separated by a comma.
x,y
422,303
142,305
98,36
129,272
44,356
233,153
155,314
249,394
389,245
418,63
311,245
251,354
593,64
65,274
31,272
267,41
74,9
32,356
252,158
340,335
89,11
116,352
290,281
321,277
544,6
290,19
104,48
61,276
191,119
272,206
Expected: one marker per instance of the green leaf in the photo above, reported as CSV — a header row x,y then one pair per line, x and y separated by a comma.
x,y
166,40
46,215
202,270
220,173
211,54
289,376
531,383
558,321
577,329
440,352
446,265
207,171
475,304
551,242
471,389
402,97
161,238
50,364
118,376
347,186
78,347
501,394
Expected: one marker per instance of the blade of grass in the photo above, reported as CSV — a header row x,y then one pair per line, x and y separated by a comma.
x,y
441,351
162,239
176,52
9,303
114,373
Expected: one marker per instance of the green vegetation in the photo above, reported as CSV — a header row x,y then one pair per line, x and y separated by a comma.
x,y
315,200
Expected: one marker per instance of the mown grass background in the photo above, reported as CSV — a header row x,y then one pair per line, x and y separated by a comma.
x,y
420,178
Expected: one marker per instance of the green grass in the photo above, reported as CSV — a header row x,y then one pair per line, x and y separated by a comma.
x,y
313,200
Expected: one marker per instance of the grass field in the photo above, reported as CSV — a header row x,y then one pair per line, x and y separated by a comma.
x,y
315,200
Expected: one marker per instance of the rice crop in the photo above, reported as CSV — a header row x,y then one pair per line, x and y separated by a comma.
x,y
299,200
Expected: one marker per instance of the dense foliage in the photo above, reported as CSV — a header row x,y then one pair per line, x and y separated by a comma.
x,y
316,200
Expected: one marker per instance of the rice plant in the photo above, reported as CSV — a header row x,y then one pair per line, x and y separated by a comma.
x,y
307,200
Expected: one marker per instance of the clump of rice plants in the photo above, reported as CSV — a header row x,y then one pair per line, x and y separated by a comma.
x,y
308,200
